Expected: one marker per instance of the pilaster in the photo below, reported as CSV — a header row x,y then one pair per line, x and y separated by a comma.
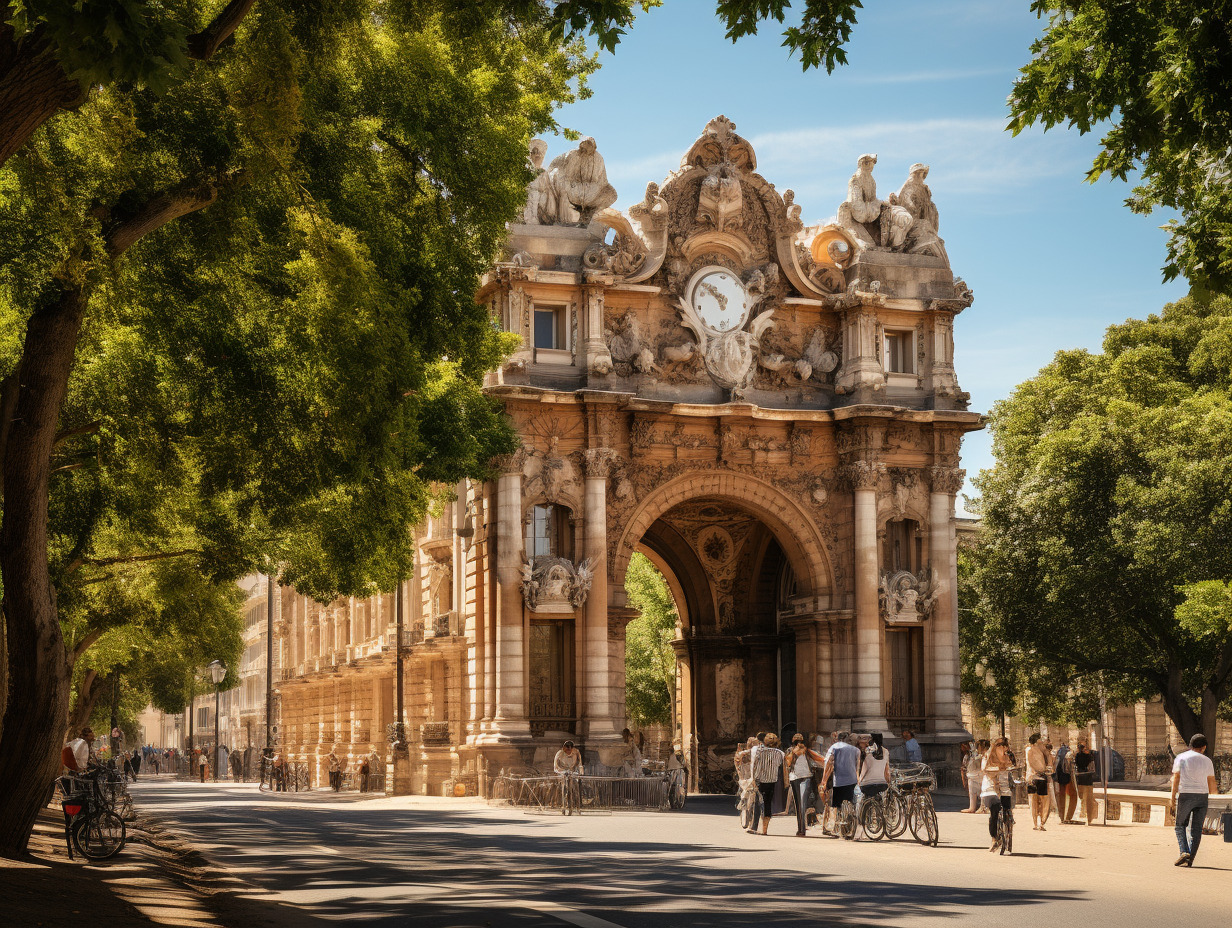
x,y
947,695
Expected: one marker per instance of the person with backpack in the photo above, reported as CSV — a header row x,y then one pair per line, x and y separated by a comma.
x,y
1084,779
1067,795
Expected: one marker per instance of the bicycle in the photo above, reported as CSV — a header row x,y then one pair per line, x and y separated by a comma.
x,y
1005,817
90,824
845,821
912,786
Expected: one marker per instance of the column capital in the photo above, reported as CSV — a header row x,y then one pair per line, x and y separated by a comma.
x,y
510,463
947,480
863,473
597,462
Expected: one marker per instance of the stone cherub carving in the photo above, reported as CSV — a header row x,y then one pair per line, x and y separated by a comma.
x,y
907,598
579,184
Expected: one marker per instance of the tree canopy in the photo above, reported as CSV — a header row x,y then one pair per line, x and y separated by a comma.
x,y
1155,76
237,325
650,663
1104,563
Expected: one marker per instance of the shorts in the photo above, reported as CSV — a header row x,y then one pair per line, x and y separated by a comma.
x,y
1038,786
873,789
841,794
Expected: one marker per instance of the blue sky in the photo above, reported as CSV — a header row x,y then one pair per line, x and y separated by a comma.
x,y
1052,259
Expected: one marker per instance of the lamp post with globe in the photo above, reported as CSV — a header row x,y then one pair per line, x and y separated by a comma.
x,y
218,671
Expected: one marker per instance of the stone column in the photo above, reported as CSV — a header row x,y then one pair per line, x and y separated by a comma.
x,y
598,357
510,718
597,709
946,695
864,476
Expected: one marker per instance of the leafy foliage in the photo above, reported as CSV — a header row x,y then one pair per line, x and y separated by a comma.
x,y
650,663
1104,556
1160,72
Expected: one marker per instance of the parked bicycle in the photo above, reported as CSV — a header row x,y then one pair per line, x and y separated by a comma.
x,y
91,822
910,792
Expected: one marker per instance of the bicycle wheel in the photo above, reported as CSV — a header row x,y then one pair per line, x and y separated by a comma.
x,y
846,821
930,824
748,809
1005,827
100,836
895,813
873,819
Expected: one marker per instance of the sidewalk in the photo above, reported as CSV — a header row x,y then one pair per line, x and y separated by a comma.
x,y
156,880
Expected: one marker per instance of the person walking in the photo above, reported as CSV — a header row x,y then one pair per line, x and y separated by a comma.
x,y
201,764
631,756
769,770
1063,774
1039,768
1084,779
1193,780
798,766
747,785
336,766
280,774
995,788
973,774
912,747
843,762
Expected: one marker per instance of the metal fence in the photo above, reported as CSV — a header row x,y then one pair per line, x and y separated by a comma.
x,y
591,794
1138,767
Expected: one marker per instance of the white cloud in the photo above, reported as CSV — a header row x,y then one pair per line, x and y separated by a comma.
x,y
920,77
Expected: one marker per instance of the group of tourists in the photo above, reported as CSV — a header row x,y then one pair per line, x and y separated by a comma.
x,y
811,777
1066,778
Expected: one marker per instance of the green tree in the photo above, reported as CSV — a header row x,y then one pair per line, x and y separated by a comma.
x,y
52,53
1104,552
650,662
1155,76
236,318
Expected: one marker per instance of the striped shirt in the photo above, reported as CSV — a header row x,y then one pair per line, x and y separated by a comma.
x,y
767,764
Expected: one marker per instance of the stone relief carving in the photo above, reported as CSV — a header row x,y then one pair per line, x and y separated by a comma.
x,y
627,347
579,184
907,598
904,481
555,584
863,474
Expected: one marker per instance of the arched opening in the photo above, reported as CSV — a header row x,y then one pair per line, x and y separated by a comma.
x,y
732,583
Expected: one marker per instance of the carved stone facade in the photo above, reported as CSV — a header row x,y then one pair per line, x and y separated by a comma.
x,y
768,412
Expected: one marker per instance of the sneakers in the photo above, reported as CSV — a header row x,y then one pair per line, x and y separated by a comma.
x,y
1185,860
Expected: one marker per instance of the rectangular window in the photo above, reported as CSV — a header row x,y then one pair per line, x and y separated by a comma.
x,y
550,329
899,352
548,532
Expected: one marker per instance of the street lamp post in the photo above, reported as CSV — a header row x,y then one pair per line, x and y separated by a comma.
x,y
218,671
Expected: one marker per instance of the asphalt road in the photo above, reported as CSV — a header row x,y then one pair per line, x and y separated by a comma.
x,y
445,862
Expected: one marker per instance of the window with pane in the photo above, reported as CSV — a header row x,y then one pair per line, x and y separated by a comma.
x,y
903,545
549,533
899,353
550,329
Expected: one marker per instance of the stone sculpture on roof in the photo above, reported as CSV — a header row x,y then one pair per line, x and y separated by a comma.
x,y
540,200
579,184
906,221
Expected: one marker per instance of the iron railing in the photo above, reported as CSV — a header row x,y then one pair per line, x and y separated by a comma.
x,y
590,794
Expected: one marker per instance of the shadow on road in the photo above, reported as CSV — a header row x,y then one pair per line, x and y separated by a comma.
x,y
466,868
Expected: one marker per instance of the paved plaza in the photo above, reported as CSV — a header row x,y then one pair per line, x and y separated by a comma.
x,y
446,862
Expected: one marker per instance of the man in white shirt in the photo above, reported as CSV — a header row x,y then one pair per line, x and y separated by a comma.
x,y
1193,779
80,749
567,763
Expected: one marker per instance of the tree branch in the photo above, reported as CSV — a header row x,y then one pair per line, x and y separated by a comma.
x,y
64,467
180,200
202,45
138,558
83,645
88,429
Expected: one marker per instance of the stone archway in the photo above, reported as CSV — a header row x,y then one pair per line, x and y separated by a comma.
x,y
738,555
792,525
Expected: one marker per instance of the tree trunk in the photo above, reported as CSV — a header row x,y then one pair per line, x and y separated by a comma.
x,y
88,693
33,86
1178,708
39,673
